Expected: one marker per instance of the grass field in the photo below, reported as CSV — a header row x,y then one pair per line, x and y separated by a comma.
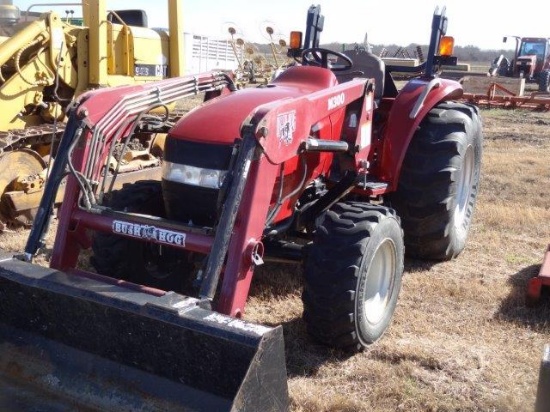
x,y
462,338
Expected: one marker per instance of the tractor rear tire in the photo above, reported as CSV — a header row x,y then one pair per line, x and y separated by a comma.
x,y
544,81
353,274
136,261
439,182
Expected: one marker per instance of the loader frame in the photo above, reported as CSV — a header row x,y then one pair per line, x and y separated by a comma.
x,y
263,146
271,134
168,350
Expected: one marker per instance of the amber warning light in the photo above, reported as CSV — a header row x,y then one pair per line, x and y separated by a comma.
x,y
295,39
446,46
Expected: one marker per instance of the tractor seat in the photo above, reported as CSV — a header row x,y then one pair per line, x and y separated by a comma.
x,y
370,65
306,78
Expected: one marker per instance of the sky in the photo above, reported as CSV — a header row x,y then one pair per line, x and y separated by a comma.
x,y
480,23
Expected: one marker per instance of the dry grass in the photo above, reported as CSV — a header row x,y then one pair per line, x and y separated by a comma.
x,y
462,338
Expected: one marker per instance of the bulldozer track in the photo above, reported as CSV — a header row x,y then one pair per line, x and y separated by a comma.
x,y
46,133
17,139
14,140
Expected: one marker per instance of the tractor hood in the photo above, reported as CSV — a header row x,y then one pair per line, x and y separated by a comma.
x,y
220,120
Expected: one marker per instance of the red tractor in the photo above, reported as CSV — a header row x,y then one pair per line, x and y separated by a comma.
x,y
531,61
340,171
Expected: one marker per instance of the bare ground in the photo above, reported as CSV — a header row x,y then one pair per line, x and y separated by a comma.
x,y
462,338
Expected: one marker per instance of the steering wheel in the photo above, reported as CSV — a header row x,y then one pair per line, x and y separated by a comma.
x,y
317,56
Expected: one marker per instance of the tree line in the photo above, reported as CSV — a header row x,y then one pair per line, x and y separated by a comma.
x,y
463,53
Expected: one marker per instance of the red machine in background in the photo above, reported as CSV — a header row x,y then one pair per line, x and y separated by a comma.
x,y
531,61
536,284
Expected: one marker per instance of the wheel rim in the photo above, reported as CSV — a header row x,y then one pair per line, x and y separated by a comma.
x,y
464,186
19,163
13,166
379,282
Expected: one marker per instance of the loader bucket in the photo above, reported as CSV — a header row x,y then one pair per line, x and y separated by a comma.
x,y
69,342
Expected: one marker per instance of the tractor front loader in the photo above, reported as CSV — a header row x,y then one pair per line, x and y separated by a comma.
x,y
106,344
343,176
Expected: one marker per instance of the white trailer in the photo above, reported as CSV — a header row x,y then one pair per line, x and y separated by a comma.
x,y
203,53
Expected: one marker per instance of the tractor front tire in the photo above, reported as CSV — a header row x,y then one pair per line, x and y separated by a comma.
x,y
439,182
139,262
353,274
544,81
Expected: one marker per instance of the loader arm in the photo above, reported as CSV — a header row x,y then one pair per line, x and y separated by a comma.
x,y
270,135
203,360
116,114
281,129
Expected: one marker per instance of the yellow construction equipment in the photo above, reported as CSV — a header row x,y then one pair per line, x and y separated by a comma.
x,y
46,61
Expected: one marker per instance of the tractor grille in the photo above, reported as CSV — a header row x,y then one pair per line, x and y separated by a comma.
x,y
193,203
190,204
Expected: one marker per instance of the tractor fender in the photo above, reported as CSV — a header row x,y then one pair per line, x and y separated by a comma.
x,y
410,107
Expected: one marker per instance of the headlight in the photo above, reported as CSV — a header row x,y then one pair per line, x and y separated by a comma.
x,y
191,175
